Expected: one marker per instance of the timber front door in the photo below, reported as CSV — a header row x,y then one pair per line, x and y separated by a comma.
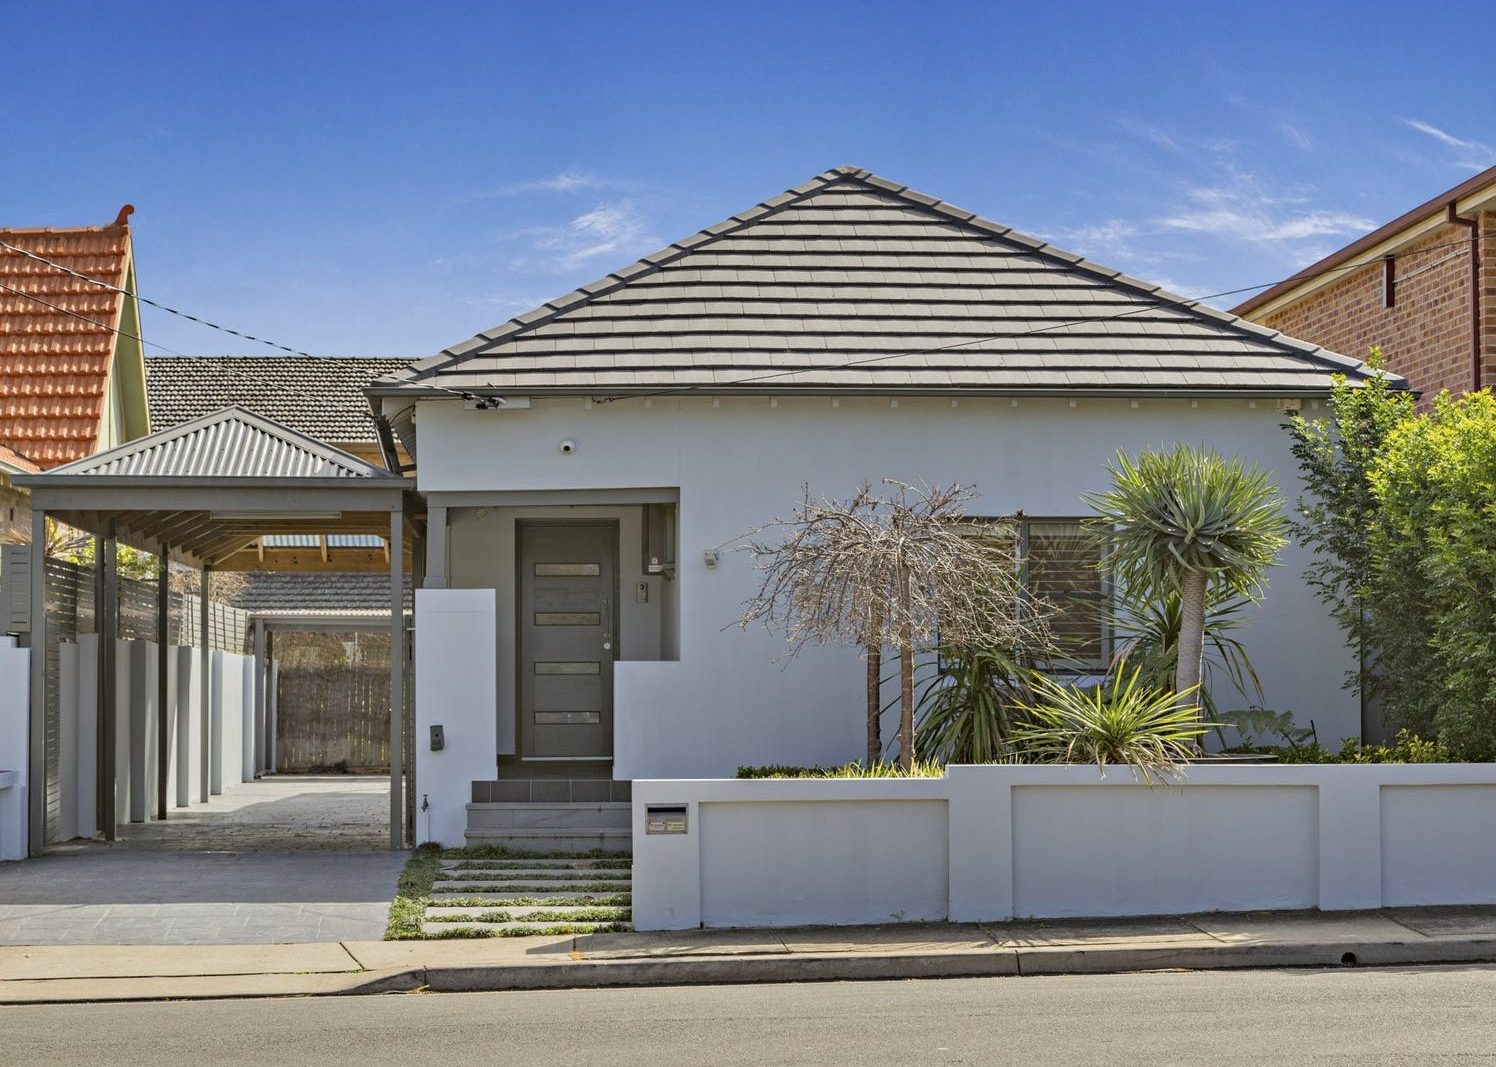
x,y
567,639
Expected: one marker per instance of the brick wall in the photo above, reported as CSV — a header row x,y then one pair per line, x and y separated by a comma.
x,y
1426,335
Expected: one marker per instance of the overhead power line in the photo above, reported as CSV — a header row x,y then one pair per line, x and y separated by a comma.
x,y
63,268
484,401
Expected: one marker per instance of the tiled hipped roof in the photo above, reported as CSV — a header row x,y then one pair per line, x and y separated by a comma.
x,y
853,282
323,398
54,365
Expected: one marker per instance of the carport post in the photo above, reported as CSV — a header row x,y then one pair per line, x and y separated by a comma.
x,y
163,680
397,676
36,746
106,624
205,686
272,704
259,697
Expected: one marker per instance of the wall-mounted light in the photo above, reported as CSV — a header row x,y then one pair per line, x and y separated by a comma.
x,y
710,557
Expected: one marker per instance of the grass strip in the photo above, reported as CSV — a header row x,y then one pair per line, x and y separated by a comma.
x,y
576,915
413,895
522,884
527,876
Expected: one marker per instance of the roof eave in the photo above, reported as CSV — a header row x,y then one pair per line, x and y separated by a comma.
x,y
1384,234
49,480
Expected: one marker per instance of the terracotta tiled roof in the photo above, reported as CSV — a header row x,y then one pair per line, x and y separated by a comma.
x,y
10,458
54,366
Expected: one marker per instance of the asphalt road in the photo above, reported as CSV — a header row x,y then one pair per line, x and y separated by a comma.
x,y
1405,1016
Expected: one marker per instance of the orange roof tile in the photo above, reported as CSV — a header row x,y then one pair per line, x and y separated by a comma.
x,y
9,457
54,364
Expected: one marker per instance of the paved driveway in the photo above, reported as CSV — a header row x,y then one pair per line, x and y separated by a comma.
x,y
285,859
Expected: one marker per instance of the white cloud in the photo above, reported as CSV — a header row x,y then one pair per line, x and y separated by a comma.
x,y
617,229
570,180
1296,135
1241,209
1472,155
1149,132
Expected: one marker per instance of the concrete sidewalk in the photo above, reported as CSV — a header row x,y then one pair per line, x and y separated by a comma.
x,y
65,973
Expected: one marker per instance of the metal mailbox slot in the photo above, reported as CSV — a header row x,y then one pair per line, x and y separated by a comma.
x,y
665,819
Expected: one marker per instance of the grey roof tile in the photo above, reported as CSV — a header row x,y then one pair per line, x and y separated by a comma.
x,y
861,282
322,398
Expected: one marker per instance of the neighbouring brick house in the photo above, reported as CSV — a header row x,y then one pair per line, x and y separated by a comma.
x,y
1422,288
72,378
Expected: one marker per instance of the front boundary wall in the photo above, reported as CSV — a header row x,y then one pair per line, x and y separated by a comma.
x,y
993,843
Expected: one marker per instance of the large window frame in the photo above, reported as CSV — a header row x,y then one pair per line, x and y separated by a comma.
x,y
1096,661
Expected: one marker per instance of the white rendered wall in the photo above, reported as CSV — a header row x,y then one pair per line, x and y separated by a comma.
x,y
88,734
993,843
69,770
15,730
732,698
135,722
454,689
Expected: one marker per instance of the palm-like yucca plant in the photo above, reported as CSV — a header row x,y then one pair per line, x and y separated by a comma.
x,y
1145,633
1183,519
1123,721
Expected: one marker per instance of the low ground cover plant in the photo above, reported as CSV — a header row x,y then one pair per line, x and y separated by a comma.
x,y
920,769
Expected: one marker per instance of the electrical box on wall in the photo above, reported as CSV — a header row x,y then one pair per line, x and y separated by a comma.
x,y
659,539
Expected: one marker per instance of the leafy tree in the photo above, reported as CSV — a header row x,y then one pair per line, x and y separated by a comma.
x,y
894,570
1431,610
1184,519
1337,511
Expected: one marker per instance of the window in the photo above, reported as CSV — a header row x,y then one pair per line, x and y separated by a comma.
x,y
1061,561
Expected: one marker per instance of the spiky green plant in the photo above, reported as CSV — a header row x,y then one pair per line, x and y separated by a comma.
x,y
1184,519
965,708
1123,721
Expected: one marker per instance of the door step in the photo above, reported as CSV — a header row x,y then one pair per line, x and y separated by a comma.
x,y
609,816
578,839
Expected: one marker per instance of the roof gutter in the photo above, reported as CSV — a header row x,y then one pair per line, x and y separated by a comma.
x,y
1454,218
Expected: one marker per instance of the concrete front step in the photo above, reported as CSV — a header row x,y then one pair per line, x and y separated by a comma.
x,y
503,899
535,862
533,889
584,839
549,816
556,874
615,912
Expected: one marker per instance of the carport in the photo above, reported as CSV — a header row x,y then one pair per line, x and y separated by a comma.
x,y
205,493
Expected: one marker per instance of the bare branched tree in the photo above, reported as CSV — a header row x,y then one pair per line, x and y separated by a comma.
x,y
903,570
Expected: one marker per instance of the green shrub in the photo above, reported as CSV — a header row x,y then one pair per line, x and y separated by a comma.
x,y
1434,556
1406,748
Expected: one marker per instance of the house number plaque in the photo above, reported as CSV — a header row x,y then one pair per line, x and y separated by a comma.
x,y
665,819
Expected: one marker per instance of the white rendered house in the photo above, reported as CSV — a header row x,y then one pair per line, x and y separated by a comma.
x,y
589,467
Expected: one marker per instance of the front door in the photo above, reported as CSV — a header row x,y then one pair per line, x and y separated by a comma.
x,y
567,639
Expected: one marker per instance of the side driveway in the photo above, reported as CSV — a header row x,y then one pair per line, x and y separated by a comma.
x,y
283,859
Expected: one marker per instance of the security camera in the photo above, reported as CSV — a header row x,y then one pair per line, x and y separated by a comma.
x,y
568,446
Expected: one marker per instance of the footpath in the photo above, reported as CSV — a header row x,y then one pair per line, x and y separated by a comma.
x,y
93,973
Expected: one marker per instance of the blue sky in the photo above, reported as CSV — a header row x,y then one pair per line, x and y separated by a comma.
x,y
386,179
